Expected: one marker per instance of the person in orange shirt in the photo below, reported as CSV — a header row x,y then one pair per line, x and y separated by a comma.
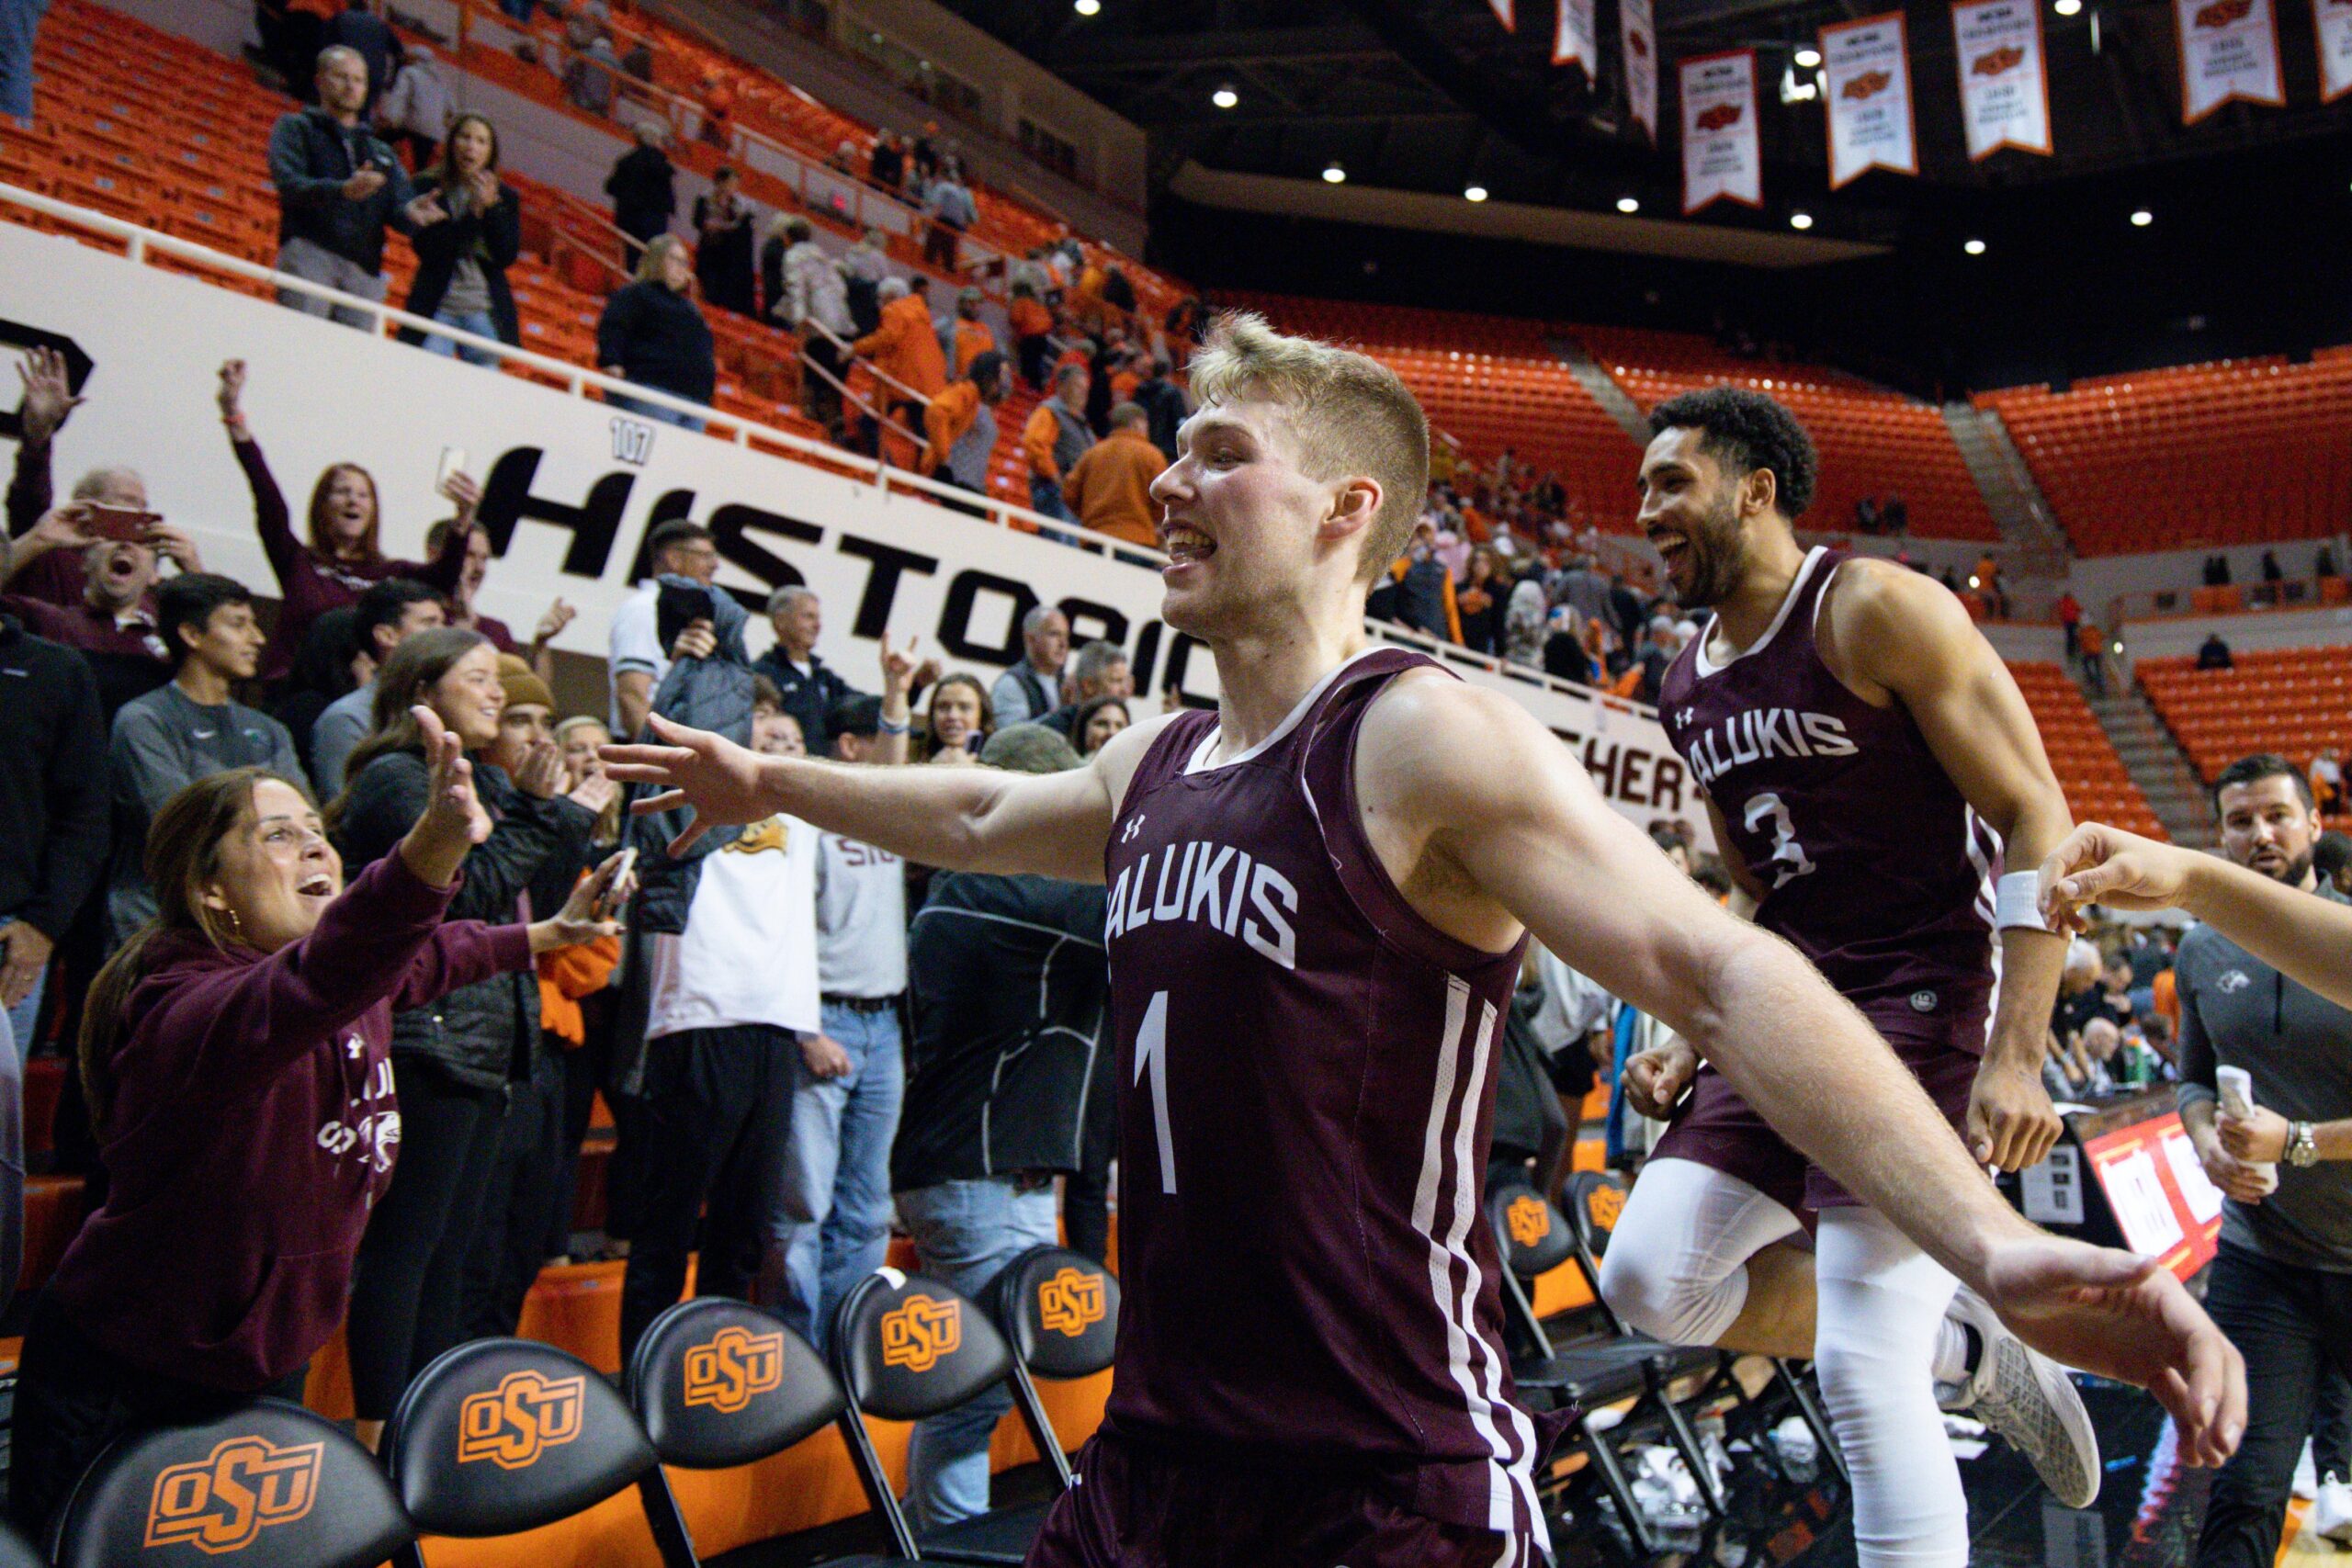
x,y
1055,438
1109,489
1033,327
962,426
1123,381
905,349
972,336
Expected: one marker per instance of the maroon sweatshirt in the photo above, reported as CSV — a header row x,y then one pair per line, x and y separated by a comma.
x,y
310,584
252,1128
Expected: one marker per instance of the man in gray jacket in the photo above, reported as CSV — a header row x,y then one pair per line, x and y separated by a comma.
x,y
2281,1286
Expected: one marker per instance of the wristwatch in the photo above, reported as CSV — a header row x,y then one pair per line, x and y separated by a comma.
x,y
2302,1148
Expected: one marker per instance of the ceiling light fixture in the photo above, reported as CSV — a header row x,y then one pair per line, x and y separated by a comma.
x,y
1628,205
1808,57
1800,220
1086,7
1225,97
2143,218
2068,7
1473,193
1975,247
1333,174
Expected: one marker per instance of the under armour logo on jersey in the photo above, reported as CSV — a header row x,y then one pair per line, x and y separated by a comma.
x,y
1134,826
1684,716
2235,980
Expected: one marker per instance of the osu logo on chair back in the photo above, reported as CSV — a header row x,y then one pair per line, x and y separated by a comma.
x,y
220,1503
523,1416
918,1331
1603,1204
1071,1302
734,1368
1530,1219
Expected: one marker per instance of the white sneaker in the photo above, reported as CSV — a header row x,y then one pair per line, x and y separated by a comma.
x,y
2028,1399
2332,1511
2306,1474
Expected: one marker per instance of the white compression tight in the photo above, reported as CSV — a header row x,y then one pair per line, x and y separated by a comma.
x,y
1677,1270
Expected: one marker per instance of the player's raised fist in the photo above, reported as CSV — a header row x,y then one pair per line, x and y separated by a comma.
x,y
1656,1079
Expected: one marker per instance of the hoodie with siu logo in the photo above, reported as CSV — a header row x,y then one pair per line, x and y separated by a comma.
x,y
252,1127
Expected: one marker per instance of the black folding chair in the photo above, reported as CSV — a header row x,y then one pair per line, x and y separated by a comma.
x,y
502,1435
1596,1199
717,1383
906,1347
270,1485
1059,1310
1584,1375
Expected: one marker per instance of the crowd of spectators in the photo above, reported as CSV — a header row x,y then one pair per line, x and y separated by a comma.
x,y
366,851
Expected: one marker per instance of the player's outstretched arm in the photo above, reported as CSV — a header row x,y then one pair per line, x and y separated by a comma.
x,y
2307,940
957,818
1900,631
1489,810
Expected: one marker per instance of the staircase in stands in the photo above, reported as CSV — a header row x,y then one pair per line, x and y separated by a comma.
x,y
2156,762
1604,387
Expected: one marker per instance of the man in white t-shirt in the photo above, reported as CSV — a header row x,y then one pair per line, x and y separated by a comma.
x,y
834,1216
731,997
635,657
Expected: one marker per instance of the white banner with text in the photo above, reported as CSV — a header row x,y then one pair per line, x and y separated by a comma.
x,y
1576,36
1866,83
2229,49
570,487
2004,88
1637,32
1722,156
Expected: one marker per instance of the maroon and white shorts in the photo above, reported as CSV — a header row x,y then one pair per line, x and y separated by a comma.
x,y
1136,1505
1721,1131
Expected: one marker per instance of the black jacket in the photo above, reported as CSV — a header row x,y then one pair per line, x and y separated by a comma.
x,y
53,783
659,339
1011,989
310,157
493,239
810,698
482,1034
643,188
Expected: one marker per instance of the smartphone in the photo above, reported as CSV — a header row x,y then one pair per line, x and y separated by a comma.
x,y
453,461
608,905
676,608
123,525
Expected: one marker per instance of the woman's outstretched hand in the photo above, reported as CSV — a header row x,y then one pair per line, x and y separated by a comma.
x,y
454,821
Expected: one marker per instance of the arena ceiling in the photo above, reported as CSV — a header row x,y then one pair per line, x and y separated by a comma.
x,y
1432,96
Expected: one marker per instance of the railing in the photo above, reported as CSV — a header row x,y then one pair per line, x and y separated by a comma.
x,y
142,245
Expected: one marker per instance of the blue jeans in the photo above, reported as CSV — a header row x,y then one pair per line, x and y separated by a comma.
x,y
654,412
833,1222
1045,496
481,323
965,1232
20,21
22,1018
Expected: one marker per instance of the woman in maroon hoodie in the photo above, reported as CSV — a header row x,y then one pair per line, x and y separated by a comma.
x,y
235,1053
342,558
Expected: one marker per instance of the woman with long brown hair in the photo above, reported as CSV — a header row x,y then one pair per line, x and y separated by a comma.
x,y
342,557
958,720
452,1063
474,233
236,1056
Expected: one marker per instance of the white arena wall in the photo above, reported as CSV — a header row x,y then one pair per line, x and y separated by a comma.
x,y
571,488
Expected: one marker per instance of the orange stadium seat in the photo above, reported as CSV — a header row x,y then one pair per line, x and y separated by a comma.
x,y
2292,701
2242,451
1873,441
2096,782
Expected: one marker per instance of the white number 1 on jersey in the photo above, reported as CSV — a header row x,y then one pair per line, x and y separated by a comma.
x,y
1152,1059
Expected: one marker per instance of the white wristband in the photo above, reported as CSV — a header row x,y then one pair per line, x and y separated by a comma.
x,y
2015,902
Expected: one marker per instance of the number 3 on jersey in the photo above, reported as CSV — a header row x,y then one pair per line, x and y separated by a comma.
x,y
1152,1060
1788,855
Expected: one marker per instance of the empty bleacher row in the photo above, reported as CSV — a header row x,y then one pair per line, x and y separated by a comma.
x,y
2098,788
2238,452
1873,443
2294,701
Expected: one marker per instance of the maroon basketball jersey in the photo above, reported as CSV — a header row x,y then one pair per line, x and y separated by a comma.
x,y
1307,1079
1875,866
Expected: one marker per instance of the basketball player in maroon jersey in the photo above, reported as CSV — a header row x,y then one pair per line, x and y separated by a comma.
x,y
1319,898
1865,757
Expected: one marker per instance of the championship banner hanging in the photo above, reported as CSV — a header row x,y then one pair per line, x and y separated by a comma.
x,y
2229,48
1638,35
1866,80
2334,19
2004,90
1573,38
1721,154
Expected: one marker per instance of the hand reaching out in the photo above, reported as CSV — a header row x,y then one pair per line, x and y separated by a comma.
x,y
594,792
2099,864
560,616
453,821
231,393
49,397
722,783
